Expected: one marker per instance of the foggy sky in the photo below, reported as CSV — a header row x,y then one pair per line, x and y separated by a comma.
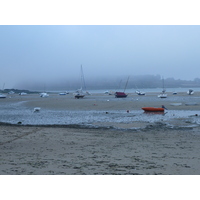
x,y
44,54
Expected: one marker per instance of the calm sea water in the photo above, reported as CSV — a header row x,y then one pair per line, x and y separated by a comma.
x,y
18,112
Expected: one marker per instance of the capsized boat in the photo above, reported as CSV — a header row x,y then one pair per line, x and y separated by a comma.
x,y
154,109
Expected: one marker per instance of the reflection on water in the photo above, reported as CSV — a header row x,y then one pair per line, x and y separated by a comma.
x,y
155,113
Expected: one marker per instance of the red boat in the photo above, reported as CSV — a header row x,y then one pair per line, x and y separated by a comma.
x,y
120,95
153,109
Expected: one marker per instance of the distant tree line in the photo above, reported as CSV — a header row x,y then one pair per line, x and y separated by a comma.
x,y
143,81
17,91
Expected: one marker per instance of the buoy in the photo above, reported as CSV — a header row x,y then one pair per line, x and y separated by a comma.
x,y
127,111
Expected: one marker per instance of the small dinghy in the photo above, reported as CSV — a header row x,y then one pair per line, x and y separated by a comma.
x,y
154,109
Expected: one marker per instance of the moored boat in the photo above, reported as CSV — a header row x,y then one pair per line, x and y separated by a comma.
x,y
190,92
154,109
163,95
44,94
78,95
139,92
2,96
120,95
62,93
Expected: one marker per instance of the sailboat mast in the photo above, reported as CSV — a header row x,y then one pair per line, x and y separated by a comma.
x,y
163,85
82,78
126,84
3,86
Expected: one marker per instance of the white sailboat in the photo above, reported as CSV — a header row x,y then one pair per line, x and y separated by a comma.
x,y
190,92
44,94
79,93
3,96
163,94
139,92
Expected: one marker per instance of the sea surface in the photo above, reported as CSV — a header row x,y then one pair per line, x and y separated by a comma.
x,y
146,90
19,113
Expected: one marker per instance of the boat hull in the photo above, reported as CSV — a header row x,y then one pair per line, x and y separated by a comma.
x,y
139,93
120,95
152,109
162,95
79,96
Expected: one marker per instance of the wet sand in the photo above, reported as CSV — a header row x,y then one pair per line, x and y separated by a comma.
x,y
108,102
59,150
63,150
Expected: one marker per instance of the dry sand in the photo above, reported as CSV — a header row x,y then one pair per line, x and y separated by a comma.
x,y
153,149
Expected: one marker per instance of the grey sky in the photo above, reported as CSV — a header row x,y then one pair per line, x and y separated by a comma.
x,y
50,53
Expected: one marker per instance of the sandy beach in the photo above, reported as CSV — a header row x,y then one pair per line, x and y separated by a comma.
x,y
163,147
